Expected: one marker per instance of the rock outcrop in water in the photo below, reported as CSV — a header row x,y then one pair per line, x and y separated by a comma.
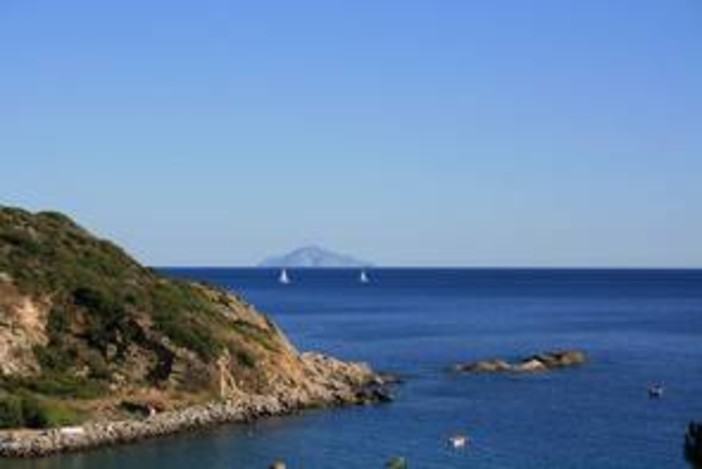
x,y
91,339
535,363
693,445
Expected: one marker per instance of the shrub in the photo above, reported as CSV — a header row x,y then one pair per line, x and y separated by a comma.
x,y
33,413
58,322
98,366
191,335
66,386
55,357
11,412
245,359
57,414
261,336
25,410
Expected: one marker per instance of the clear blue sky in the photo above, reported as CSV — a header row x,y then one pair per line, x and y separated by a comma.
x,y
406,132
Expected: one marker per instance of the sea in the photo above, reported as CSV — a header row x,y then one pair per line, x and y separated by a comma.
x,y
638,327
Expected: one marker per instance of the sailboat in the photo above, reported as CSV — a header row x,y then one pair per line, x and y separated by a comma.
x,y
284,279
363,278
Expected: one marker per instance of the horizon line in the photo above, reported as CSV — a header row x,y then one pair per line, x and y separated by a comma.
x,y
426,267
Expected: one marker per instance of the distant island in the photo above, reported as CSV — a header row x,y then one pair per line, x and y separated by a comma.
x,y
313,256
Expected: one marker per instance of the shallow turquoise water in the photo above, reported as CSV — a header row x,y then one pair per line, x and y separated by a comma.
x,y
637,326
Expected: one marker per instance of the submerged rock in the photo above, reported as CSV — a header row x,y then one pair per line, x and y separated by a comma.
x,y
396,462
532,364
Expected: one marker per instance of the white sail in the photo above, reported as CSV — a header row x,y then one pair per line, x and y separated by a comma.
x,y
363,278
284,279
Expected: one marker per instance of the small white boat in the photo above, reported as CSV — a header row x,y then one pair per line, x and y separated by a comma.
x,y
363,278
284,279
656,391
458,441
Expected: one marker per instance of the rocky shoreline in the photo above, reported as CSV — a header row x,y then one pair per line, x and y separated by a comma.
x,y
26,443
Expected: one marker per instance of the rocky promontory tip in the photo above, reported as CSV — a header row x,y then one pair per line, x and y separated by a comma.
x,y
541,362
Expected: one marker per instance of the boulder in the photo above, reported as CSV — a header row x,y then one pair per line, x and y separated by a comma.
x,y
484,366
529,366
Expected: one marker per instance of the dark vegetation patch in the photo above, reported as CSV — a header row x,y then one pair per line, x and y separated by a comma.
x,y
25,409
258,335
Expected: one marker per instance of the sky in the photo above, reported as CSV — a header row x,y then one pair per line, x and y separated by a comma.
x,y
406,132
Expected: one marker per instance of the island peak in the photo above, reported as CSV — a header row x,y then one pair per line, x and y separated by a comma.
x,y
313,256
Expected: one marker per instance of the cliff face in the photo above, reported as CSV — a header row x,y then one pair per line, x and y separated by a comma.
x,y
85,329
22,328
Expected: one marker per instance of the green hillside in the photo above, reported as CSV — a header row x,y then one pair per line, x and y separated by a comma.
x,y
85,330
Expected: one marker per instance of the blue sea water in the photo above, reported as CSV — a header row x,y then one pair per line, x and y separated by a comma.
x,y
638,326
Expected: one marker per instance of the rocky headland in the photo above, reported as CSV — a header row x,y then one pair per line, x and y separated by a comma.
x,y
541,362
97,349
